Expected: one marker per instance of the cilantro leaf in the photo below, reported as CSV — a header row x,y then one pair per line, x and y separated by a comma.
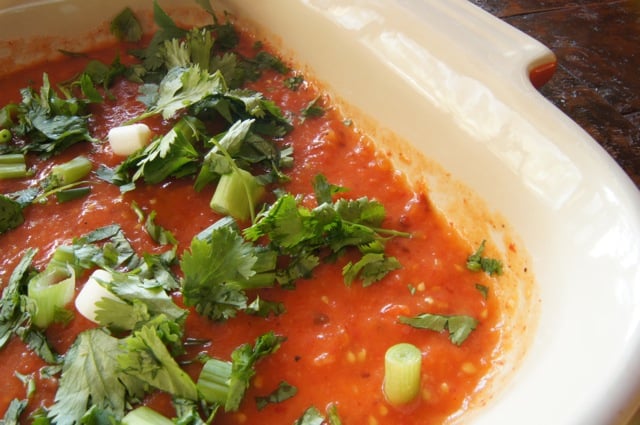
x,y
10,214
370,268
243,104
313,109
12,316
243,360
217,271
325,191
139,304
188,412
130,287
167,29
311,416
483,289
88,379
106,247
144,356
458,326
225,382
159,234
15,409
16,311
50,123
120,316
182,87
284,392
302,236
477,262
171,155
194,50
293,83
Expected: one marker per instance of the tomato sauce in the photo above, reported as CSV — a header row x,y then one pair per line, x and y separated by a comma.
x,y
336,335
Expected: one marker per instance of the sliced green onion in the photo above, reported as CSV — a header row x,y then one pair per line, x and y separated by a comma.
x,y
13,171
71,171
5,135
51,290
214,379
402,364
12,158
7,114
13,166
92,292
144,415
72,193
63,255
236,194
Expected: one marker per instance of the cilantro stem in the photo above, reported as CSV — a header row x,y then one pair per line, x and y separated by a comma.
x,y
43,197
380,230
72,193
141,117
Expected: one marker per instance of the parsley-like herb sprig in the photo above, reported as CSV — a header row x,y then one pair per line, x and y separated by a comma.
x,y
301,234
458,326
477,262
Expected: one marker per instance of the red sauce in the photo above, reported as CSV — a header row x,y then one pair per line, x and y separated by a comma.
x,y
336,335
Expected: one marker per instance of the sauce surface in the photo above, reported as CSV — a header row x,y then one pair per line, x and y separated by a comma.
x,y
336,335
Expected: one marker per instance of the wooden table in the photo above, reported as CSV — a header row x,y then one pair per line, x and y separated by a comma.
x,y
597,82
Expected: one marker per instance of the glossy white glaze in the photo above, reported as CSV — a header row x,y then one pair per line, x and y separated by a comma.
x,y
453,81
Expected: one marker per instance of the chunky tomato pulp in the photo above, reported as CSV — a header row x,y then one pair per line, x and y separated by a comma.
x,y
336,335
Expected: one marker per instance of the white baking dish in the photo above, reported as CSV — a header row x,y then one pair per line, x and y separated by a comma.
x,y
454,82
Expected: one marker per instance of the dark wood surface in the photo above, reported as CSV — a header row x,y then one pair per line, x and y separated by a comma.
x,y
597,82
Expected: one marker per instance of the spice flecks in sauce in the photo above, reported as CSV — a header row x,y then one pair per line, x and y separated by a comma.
x,y
336,334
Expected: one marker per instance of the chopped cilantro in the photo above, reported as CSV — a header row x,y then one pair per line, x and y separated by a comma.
x,y
126,27
10,214
50,123
476,262
301,235
15,409
458,326
219,269
294,83
372,267
159,234
311,416
89,378
225,382
325,191
182,87
144,357
312,110
16,311
284,392
171,155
